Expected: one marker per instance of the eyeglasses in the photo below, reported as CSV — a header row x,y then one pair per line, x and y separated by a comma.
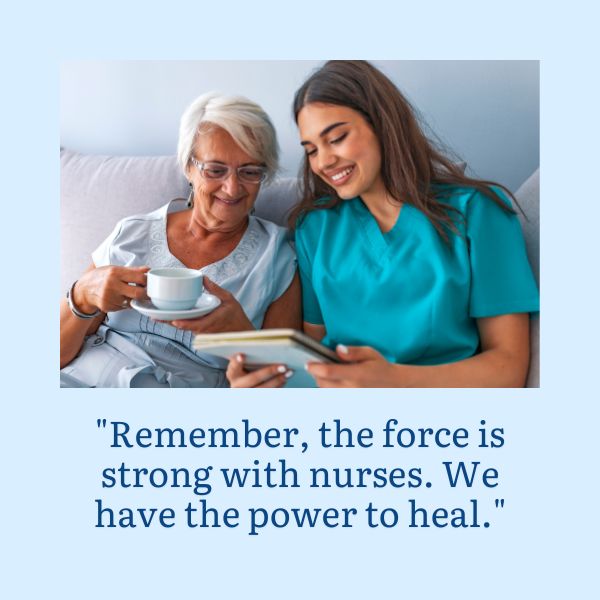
x,y
215,171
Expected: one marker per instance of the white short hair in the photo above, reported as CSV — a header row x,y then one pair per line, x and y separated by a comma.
x,y
245,121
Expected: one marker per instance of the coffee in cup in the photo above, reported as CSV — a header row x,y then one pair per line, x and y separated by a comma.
x,y
174,288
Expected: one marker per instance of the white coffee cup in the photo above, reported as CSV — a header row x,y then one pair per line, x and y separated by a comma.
x,y
174,288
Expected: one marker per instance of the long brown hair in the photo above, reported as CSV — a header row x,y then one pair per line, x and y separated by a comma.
x,y
414,170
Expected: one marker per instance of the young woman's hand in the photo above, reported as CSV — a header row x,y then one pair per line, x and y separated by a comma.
x,y
366,368
270,376
502,362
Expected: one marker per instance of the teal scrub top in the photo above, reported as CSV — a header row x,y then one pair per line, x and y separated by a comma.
x,y
407,293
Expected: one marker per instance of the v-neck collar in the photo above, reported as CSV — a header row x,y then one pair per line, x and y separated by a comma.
x,y
377,239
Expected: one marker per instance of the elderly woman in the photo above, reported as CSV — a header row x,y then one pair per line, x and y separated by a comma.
x,y
227,149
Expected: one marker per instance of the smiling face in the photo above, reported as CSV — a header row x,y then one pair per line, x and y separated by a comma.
x,y
221,205
342,149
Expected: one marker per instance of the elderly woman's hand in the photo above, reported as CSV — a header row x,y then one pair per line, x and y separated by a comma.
x,y
228,316
366,368
271,376
109,288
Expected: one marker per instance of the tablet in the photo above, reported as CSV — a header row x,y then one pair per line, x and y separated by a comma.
x,y
268,346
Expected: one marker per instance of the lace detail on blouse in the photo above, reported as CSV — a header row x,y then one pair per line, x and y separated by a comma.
x,y
158,247
223,269
238,259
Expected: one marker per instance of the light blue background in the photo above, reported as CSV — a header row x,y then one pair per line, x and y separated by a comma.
x,y
486,111
543,544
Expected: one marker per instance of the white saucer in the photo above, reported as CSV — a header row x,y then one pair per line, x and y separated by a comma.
x,y
206,303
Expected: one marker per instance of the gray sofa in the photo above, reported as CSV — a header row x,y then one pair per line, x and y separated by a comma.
x,y
97,191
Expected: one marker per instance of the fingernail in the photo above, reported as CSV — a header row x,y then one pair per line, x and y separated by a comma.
x,y
343,349
289,373
239,358
281,369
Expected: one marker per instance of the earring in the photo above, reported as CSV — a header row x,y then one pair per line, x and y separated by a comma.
x,y
190,200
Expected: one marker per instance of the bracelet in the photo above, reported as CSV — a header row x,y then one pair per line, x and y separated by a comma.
x,y
75,310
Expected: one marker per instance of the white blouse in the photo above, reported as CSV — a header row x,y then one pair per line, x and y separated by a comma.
x,y
131,350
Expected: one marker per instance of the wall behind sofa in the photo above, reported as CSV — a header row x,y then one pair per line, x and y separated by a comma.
x,y
487,111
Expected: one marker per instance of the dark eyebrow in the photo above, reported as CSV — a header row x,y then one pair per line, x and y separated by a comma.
x,y
327,130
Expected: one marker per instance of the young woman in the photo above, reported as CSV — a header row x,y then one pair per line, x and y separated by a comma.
x,y
414,272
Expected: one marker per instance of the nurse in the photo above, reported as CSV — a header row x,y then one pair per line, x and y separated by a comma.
x,y
415,273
